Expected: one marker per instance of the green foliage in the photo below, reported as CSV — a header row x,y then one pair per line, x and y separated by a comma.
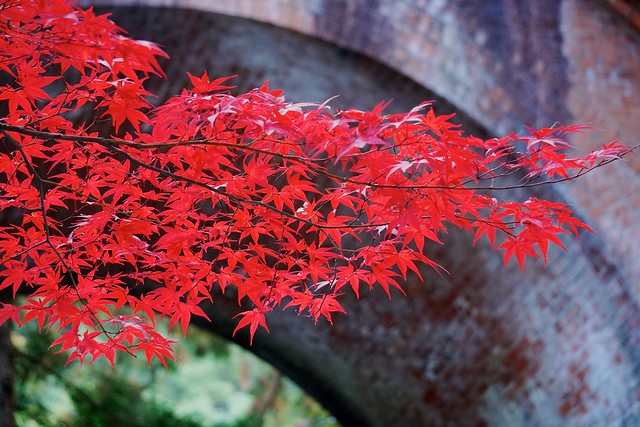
x,y
114,391
216,384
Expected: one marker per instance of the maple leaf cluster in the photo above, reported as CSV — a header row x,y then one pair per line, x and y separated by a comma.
x,y
141,212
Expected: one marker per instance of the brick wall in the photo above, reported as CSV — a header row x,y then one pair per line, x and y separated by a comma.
x,y
558,345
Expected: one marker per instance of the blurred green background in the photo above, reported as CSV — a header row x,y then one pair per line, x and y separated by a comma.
x,y
215,384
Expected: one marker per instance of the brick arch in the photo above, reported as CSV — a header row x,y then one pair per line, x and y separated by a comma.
x,y
557,346
505,63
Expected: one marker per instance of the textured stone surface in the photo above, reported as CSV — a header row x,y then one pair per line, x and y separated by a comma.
x,y
557,346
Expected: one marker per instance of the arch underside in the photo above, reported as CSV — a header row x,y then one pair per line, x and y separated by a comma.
x,y
485,345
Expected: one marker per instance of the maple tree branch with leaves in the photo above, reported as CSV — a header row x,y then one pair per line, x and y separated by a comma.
x,y
141,212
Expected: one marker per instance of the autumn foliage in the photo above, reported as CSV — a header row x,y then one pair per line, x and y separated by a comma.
x,y
140,212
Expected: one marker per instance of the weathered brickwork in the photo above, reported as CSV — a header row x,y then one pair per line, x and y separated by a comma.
x,y
604,70
557,346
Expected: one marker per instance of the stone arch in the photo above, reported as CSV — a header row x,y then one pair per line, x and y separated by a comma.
x,y
479,348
